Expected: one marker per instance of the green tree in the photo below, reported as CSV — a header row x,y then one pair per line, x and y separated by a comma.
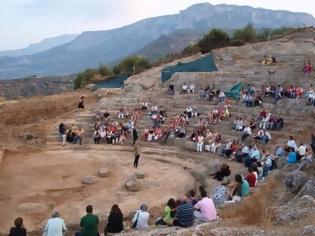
x,y
104,71
247,34
131,65
216,38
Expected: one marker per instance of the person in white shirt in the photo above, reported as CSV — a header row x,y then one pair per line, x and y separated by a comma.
x,y
247,133
301,151
185,88
200,141
191,88
221,96
55,226
141,218
291,143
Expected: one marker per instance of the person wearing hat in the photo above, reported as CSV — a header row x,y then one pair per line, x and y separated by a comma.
x,y
141,218
55,226
221,193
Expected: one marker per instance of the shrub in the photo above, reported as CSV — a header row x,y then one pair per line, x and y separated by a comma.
x,y
247,34
216,38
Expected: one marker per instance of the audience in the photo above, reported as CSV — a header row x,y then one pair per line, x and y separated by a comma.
x,y
89,223
18,229
140,220
55,226
184,215
115,221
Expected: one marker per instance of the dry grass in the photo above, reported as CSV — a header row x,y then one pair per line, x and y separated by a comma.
x,y
252,210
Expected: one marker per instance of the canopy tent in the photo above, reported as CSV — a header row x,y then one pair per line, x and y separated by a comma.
x,y
204,64
234,92
116,82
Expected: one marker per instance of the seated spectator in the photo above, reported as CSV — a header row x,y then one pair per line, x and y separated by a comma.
x,y
301,151
246,133
221,96
184,215
223,172
141,218
291,144
292,158
191,197
200,142
242,187
89,223
55,226
171,89
205,209
189,111
18,229
191,88
254,154
121,113
185,88
264,136
168,213
230,148
115,221
81,103
239,124
251,178
221,193
96,136
279,151
252,124
249,100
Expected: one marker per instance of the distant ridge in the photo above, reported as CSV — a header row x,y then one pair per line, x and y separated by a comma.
x,y
43,45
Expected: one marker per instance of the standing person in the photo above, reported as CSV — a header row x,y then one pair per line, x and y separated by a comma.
x,y
141,218
18,229
89,223
79,135
115,221
81,103
135,135
136,151
63,133
55,226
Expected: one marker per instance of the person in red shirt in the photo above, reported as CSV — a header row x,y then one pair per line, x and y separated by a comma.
x,y
251,177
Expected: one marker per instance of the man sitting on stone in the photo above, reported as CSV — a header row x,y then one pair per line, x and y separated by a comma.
x,y
205,209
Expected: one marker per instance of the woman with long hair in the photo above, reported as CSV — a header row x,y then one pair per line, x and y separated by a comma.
x,y
115,221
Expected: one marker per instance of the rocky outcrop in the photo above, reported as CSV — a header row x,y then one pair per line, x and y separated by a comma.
x,y
132,185
296,209
295,180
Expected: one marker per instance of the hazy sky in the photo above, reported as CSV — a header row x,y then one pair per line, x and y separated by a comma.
x,y
28,21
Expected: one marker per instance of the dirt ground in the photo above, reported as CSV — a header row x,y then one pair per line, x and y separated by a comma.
x,y
36,183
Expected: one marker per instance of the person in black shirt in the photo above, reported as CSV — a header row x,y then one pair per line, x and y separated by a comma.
x,y
115,221
19,229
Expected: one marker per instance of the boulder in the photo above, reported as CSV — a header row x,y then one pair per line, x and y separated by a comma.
x,y
295,180
89,180
290,167
280,161
308,188
189,145
133,88
103,172
308,230
132,185
294,210
140,174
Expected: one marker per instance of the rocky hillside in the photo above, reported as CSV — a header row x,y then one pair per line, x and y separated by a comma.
x,y
35,86
90,49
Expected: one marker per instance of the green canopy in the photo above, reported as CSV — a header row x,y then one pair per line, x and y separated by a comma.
x,y
204,64
234,92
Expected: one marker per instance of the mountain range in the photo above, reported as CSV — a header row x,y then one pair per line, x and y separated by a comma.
x,y
43,45
90,49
